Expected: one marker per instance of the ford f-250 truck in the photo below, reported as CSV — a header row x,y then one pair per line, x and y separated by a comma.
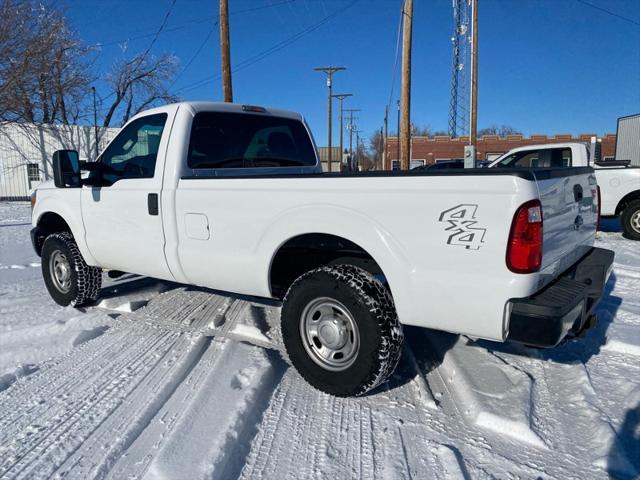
x,y
619,182
232,198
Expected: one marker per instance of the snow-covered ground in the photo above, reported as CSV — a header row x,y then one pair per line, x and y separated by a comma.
x,y
166,381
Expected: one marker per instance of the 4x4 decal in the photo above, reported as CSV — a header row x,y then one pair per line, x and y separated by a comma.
x,y
463,232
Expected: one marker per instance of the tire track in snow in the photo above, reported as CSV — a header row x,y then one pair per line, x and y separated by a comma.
x,y
94,402
308,434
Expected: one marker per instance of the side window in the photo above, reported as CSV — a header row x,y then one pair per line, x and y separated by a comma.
x,y
526,159
134,151
239,140
545,158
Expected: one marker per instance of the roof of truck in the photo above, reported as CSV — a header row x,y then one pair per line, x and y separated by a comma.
x,y
196,107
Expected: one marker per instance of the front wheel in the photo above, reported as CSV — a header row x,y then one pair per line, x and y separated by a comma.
x,y
341,330
631,220
69,280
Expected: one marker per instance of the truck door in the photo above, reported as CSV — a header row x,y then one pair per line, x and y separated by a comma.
x,y
121,214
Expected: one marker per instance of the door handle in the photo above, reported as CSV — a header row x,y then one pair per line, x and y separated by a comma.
x,y
577,192
152,203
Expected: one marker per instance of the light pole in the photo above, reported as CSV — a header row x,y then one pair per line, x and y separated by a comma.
x,y
329,71
350,126
341,97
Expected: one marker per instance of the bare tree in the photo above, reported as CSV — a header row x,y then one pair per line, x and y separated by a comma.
x,y
501,131
417,131
46,72
139,83
376,148
43,66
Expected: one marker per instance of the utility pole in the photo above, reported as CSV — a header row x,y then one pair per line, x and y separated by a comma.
x,y
470,150
355,163
386,137
380,161
351,118
95,122
341,97
329,72
398,145
225,53
405,134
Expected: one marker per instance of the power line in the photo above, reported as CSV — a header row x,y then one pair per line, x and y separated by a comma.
x,y
397,55
162,25
271,50
609,12
195,55
160,30
182,26
146,52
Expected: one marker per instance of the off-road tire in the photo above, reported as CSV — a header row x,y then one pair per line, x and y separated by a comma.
x,y
85,280
372,308
629,217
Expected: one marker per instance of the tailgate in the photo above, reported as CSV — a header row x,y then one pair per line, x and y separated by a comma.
x,y
569,200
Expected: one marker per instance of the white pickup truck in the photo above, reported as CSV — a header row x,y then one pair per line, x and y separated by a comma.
x,y
619,183
231,197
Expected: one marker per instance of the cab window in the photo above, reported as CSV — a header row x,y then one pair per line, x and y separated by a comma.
x,y
134,151
224,140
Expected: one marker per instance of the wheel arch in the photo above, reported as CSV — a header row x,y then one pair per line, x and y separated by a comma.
x,y
370,239
626,200
308,251
52,212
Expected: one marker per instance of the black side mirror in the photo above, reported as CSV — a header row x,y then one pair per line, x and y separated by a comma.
x,y
66,169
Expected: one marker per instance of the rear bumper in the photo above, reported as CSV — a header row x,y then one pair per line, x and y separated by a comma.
x,y
545,318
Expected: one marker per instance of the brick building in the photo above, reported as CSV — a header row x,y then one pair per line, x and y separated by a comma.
x,y
429,150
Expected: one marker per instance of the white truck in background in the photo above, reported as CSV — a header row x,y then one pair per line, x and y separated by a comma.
x,y
231,197
618,181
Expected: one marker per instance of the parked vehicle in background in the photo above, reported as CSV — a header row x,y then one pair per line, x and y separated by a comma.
x,y
231,197
454,163
618,181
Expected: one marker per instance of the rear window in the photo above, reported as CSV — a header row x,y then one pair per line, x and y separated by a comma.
x,y
545,158
242,140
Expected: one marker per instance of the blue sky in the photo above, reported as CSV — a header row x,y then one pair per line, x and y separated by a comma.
x,y
545,66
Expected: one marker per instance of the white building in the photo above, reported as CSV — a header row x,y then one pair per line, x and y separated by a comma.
x,y
26,150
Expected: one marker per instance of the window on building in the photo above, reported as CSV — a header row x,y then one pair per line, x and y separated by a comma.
x,y
33,172
416,163
395,165
608,158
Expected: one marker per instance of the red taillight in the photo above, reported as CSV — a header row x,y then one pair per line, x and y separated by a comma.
x,y
524,250
599,208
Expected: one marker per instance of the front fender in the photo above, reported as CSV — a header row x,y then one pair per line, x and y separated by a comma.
x,y
66,204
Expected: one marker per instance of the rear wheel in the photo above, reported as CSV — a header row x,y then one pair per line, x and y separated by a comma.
x,y
631,220
341,330
69,280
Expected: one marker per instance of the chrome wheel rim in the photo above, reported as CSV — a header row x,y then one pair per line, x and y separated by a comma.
x,y
329,334
60,270
635,221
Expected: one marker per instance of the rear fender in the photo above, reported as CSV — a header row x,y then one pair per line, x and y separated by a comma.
x,y
346,223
